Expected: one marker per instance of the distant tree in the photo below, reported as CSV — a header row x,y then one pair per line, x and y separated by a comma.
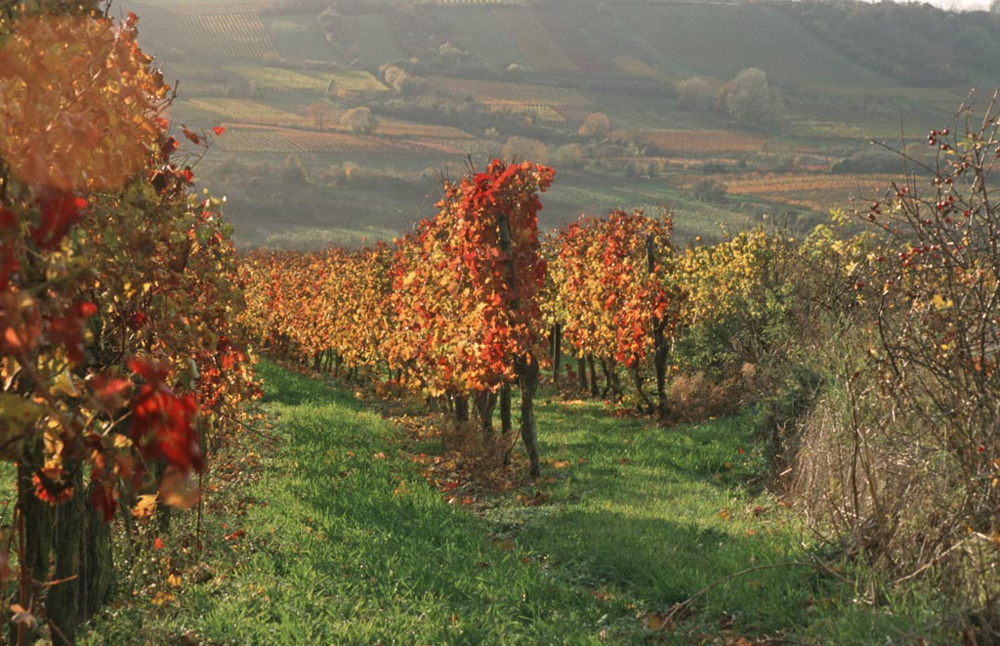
x,y
568,156
696,94
293,172
396,77
710,190
358,119
448,54
516,72
749,97
525,149
319,113
597,125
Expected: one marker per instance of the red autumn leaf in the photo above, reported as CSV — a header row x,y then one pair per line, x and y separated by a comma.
x,y
51,486
162,421
59,212
8,264
195,139
109,391
7,219
188,174
105,500
68,330
218,130
154,375
158,543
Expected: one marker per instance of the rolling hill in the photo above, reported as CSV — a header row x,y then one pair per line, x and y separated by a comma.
x,y
451,80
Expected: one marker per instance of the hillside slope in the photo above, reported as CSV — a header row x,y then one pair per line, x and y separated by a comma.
x,y
448,81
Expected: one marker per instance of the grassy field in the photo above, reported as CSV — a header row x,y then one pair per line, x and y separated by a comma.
x,y
327,533
281,80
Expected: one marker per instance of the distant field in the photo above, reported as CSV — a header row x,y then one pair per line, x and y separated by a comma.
x,y
273,79
248,111
818,192
244,138
634,67
708,142
299,37
397,128
232,36
763,184
539,112
480,33
510,93
533,39
258,74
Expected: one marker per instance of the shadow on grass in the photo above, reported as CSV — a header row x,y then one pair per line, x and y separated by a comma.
x,y
658,562
708,452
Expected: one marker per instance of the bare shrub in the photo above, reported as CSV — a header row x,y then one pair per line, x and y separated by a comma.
x,y
900,460
696,397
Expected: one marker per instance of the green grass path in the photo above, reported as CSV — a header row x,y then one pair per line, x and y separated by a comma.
x,y
338,550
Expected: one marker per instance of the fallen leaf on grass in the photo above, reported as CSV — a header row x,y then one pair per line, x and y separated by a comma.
x,y
161,598
531,501
658,621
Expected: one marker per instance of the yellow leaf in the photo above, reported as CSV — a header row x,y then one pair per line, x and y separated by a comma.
x,y
145,507
161,598
940,303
